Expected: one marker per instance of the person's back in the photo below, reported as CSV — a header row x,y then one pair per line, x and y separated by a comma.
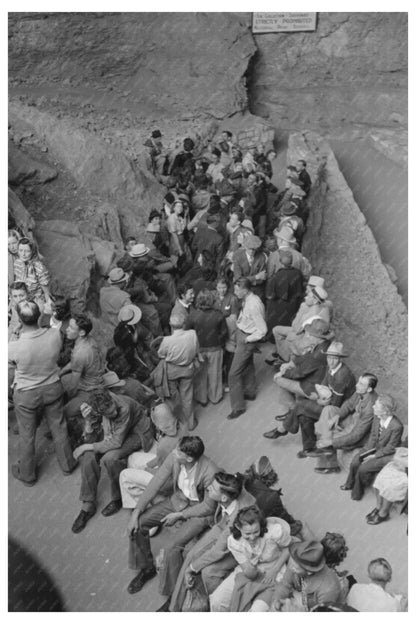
x,y
35,355
209,325
91,363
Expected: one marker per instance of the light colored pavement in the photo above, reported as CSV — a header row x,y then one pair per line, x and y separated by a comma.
x,y
91,568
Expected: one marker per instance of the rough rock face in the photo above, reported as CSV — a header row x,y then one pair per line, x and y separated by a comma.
x,y
370,316
351,70
161,64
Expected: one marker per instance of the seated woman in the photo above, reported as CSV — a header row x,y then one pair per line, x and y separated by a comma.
x,y
390,486
29,269
13,244
260,547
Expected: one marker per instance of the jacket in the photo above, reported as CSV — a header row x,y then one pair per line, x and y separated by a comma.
x,y
309,368
361,409
170,469
342,384
386,441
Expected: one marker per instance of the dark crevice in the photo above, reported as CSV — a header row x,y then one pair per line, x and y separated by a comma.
x,y
249,76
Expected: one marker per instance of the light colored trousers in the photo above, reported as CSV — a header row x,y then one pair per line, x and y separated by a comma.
x,y
208,379
134,478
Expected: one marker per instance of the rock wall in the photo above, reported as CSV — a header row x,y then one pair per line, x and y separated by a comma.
x,y
352,71
369,314
157,64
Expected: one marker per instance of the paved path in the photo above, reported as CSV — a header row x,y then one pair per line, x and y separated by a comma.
x,y
91,568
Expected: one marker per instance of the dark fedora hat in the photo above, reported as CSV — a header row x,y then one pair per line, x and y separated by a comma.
x,y
309,555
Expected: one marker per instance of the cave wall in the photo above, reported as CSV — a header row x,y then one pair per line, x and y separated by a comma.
x,y
351,71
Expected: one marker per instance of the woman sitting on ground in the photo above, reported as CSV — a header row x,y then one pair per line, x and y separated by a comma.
x,y
260,547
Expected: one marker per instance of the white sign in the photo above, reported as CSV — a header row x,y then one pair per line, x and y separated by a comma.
x,y
283,22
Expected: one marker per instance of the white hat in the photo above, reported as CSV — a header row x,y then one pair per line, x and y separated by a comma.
x,y
139,250
130,314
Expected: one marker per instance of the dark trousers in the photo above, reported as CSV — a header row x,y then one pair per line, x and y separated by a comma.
x,y
308,413
242,377
140,552
362,474
114,461
49,399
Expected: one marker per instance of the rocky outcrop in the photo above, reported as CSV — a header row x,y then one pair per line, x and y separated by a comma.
x,y
352,71
156,65
19,216
370,316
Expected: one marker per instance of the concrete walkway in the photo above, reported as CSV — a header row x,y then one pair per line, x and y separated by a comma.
x,y
91,568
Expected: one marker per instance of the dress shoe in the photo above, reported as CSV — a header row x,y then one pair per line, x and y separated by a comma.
x,y
16,474
235,414
333,470
376,519
250,397
81,520
372,513
112,508
345,487
143,576
165,606
274,434
303,454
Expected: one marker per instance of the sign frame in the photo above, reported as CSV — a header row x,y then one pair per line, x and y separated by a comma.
x,y
286,22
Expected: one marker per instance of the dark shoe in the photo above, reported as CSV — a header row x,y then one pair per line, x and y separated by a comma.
x,y
303,454
81,520
333,470
143,576
235,414
112,508
345,487
376,519
250,397
66,473
372,513
194,426
274,434
16,474
165,606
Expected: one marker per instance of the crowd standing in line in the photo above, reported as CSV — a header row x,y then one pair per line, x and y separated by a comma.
x,y
219,271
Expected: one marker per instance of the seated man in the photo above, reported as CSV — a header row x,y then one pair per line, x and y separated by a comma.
x,y
334,436
210,557
86,368
126,428
385,436
191,473
300,375
338,383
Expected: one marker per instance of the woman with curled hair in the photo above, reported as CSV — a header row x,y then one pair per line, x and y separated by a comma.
x,y
373,596
211,330
29,269
12,243
260,547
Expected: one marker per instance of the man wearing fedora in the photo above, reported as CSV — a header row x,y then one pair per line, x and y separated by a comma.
x,y
339,382
347,427
286,241
126,428
113,297
250,262
300,375
307,581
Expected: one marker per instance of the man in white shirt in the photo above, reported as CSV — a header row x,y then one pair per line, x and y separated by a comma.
x,y
190,472
251,327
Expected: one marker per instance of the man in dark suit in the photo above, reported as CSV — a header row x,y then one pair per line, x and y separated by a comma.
x,y
207,240
190,472
250,262
386,433
304,176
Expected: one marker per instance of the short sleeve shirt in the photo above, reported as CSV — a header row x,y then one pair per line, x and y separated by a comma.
x,y
87,359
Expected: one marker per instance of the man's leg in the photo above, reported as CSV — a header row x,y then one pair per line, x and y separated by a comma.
x,y
133,482
173,558
307,427
186,393
242,355
90,476
53,410
73,415
25,404
355,464
213,575
116,460
201,382
291,385
280,332
140,553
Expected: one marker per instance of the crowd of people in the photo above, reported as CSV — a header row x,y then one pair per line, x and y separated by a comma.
x,y
218,273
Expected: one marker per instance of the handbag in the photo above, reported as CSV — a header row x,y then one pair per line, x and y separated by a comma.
x,y
196,599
